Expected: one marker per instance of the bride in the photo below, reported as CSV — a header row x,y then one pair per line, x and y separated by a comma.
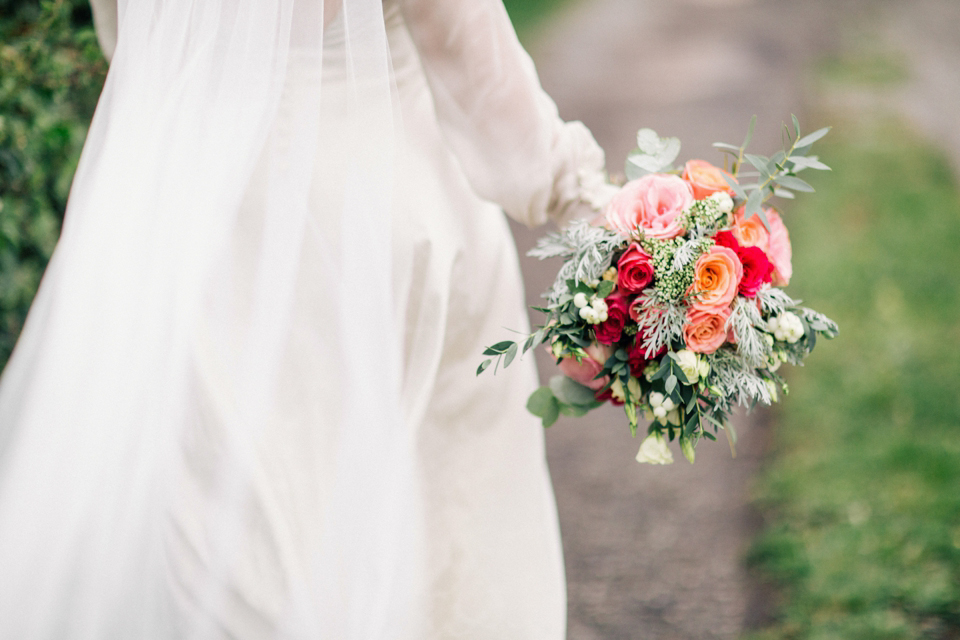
x,y
244,402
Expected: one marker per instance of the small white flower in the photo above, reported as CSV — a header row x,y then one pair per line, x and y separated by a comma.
x,y
703,368
723,200
786,327
768,339
689,363
650,370
633,386
654,450
580,300
774,361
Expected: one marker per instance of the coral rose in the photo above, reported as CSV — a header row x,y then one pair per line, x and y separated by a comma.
x,y
651,205
585,372
716,278
779,250
610,330
705,331
634,270
752,232
705,179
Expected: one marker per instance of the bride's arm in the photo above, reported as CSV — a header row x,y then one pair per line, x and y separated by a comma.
x,y
505,131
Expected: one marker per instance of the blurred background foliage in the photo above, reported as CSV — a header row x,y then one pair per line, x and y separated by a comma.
x,y
51,73
862,491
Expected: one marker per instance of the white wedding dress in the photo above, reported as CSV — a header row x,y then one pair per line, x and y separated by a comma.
x,y
474,133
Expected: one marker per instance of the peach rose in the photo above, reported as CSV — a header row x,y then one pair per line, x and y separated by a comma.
x,y
716,277
752,232
706,331
706,178
652,204
585,372
779,250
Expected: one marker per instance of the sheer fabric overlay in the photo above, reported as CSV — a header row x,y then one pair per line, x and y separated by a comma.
x,y
228,273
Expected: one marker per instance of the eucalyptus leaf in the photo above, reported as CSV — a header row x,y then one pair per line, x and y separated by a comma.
x,y
793,182
753,205
726,147
796,126
812,137
671,383
761,163
737,189
783,193
483,366
746,141
511,354
544,405
499,348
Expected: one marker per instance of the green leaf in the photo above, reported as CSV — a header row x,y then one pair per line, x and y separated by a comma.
x,y
570,392
761,163
631,411
808,162
783,193
753,205
544,405
793,182
811,138
746,141
671,383
529,343
511,354
737,189
605,288
499,348
726,147
796,126
483,366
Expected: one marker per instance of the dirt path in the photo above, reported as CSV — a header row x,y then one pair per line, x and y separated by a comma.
x,y
656,552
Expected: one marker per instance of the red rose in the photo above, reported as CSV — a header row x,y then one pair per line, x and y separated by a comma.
x,y
610,330
635,356
727,239
757,270
634,270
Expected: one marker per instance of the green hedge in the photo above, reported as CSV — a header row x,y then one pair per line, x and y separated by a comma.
x,y
51,73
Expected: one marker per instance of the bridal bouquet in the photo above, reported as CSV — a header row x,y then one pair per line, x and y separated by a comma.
x,y
670,304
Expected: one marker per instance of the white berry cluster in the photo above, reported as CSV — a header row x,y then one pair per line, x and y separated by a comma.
x,y
664,409
723,201
786,327
593,309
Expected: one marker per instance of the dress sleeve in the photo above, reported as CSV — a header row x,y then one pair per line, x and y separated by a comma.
x,y
105,22
504,129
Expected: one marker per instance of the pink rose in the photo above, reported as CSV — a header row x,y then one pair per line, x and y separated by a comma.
x,y
610,330
705,331
779,250
716,278
652,204
589,367
634,270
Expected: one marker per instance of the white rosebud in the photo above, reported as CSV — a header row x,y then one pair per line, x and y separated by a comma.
x,y
768,339
723,200
654,450
703,368
593,284
787,327
580,300
656,399
659,413
772,388
633,386
774,362
616,388
557,349
689,363
610,274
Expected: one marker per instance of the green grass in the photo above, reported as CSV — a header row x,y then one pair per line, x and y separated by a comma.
x,y
862,495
